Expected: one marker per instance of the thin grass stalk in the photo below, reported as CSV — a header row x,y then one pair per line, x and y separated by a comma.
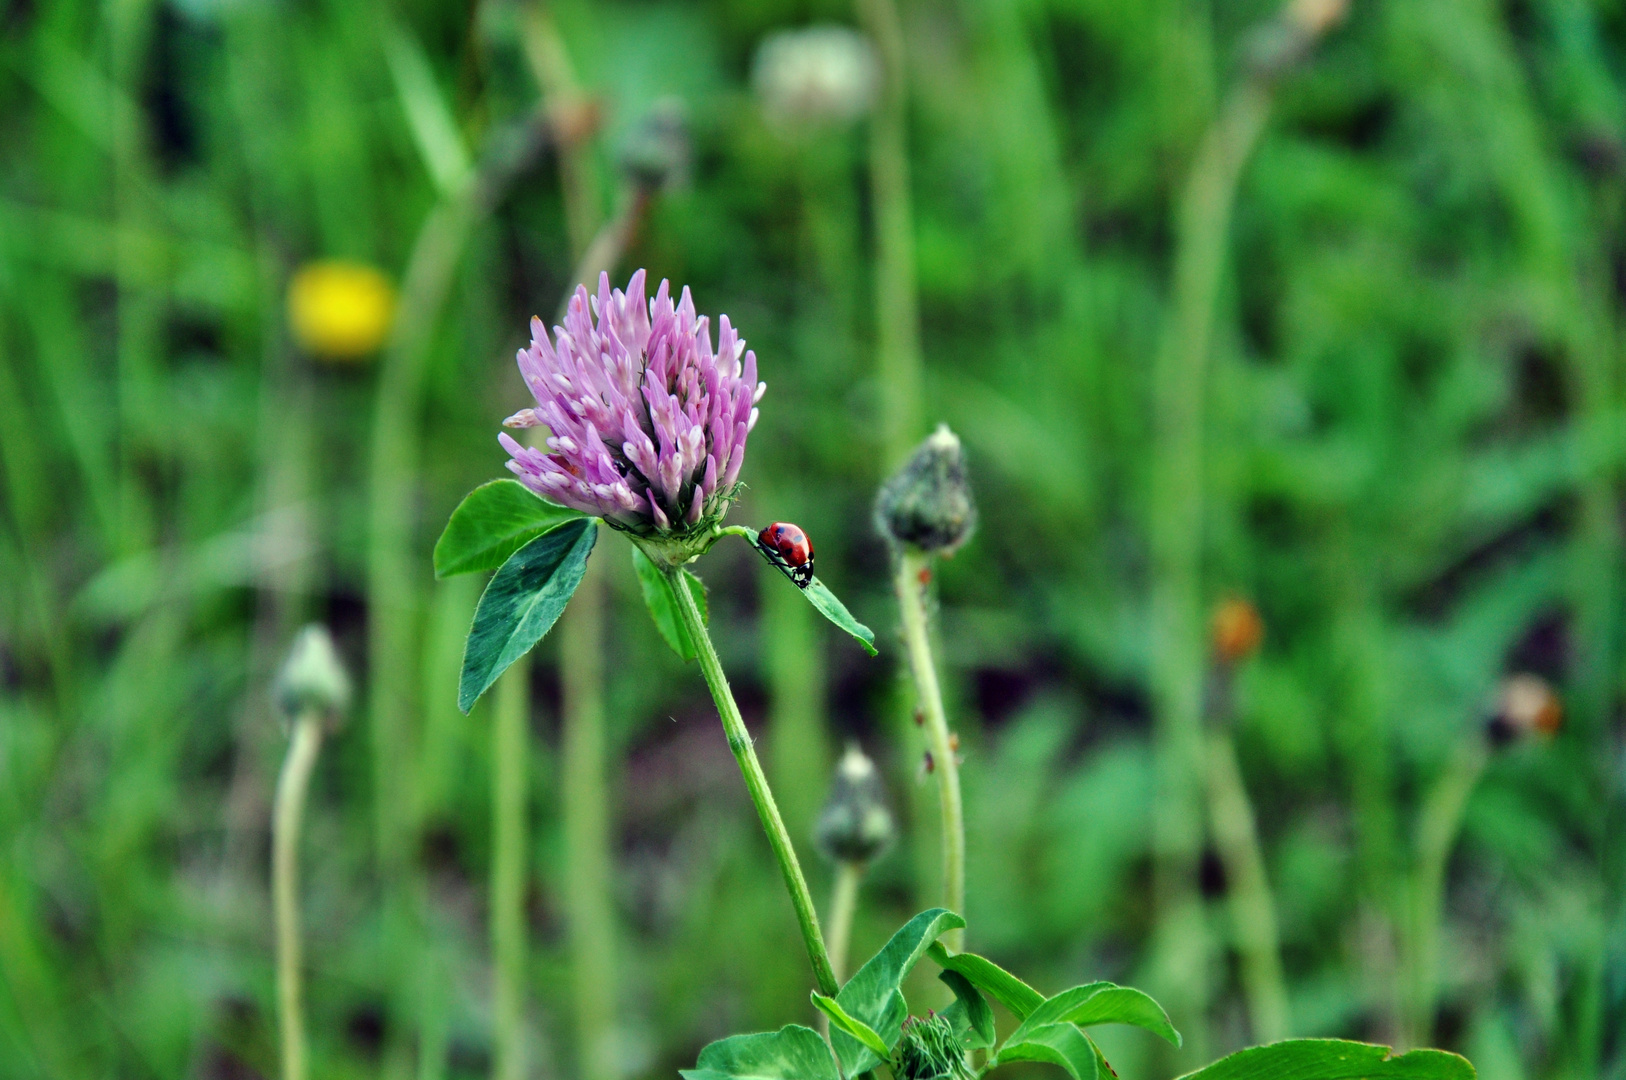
x,y
1179,385
1438,824
897,305
798,755
589,901
909,581
510,847
1253,909
287,816
756,784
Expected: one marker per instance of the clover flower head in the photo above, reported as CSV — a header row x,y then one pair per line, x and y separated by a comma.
x,y
855,825
647,424
816,75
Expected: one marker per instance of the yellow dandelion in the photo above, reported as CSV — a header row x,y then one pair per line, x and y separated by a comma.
x,y
340,310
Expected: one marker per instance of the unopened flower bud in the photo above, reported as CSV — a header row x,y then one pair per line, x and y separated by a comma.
x,y
1525,707
816,75
313,677
929,1050
656,154
927,504
1236,631
855,824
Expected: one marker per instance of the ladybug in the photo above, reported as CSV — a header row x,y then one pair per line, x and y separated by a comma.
x,y
787,547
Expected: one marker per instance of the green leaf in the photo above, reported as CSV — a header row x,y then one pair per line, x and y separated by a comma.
x,y
856,1028
1334,1059
663,605
973,1020
1005,988
834,610
791,1053
1101,1003
522,603
873,994
491,523
1058,1044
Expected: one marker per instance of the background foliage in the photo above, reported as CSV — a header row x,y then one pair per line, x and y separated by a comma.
x,y
1411,464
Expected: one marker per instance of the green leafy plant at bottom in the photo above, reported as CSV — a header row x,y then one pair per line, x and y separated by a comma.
x,y
870,1025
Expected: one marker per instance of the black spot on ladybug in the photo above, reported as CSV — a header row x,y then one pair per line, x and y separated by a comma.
x,y
787,547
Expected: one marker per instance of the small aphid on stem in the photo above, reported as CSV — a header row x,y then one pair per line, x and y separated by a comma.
x,y
928,763
920,716
925,575
954,741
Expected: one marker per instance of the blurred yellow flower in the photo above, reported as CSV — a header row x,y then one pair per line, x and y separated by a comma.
x,y
340,310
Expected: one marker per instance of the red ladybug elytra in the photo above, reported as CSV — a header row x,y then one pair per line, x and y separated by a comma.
x,y
788,548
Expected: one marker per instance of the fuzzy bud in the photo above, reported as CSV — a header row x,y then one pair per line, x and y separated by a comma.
x,y
656,155
929,1050
816,75
855,824
1525,707
313,676
927,504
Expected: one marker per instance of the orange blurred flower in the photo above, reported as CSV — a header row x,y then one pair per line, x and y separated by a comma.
x,y
1236,631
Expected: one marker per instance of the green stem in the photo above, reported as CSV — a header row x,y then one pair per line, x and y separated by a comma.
x,y
1253,910
897,307
1438,823
739,741
843,905
508,944
909,582
290,807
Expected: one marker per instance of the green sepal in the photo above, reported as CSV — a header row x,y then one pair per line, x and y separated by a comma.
x,y
662,604
491,523
1101,1003
973,1020
873,995
522,602
793,1052
987,976
1334,1059
1058,1044
859,1030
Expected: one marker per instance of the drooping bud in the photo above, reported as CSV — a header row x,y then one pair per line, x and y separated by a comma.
x,y
1526,706
1236,631
656,155
927,504
313,676
855,824
929,1050
815,75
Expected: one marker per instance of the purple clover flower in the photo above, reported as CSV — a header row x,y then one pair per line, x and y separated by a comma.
x,y
648,425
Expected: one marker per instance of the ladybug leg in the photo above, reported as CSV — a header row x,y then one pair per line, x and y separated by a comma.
x,y
802,575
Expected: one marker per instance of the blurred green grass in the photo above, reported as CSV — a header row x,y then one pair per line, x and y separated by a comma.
x,y
1411,460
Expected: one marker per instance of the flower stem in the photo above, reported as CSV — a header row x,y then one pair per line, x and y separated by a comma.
x,y
1253,910
508,944
290,807
913,568
739,741
1437,826
843,905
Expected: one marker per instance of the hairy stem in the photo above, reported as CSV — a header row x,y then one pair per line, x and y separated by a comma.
x,y
1438,823
913,571
739,741
509,843
286,816
843,905
1253,910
